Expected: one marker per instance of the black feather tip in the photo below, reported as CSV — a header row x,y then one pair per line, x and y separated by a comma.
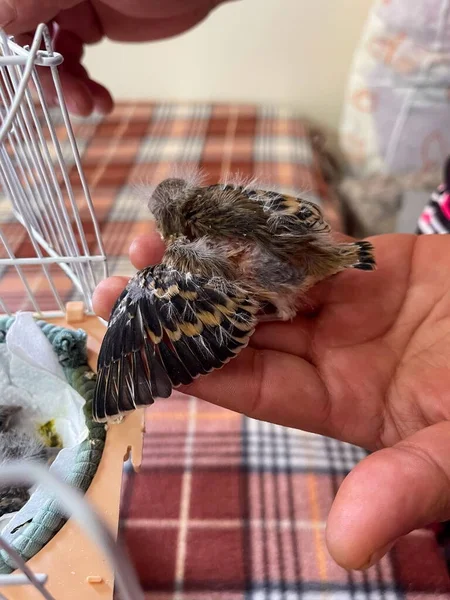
x,y
366,259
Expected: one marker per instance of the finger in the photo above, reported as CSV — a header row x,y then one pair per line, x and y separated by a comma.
x,y
389,494
18,16
69,44
81,20
77,93
251,384
168,9
294,337
147,249
140,27
78,96
82,95
102,99
74,82
106,293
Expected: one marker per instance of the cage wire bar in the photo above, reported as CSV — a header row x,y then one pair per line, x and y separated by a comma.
x,y
88,520
39,161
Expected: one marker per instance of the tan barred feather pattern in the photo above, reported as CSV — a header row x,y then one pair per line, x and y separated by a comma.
x,y
281,206
166,329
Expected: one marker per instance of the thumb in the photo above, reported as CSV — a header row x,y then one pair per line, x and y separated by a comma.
x,y
389,494
20,16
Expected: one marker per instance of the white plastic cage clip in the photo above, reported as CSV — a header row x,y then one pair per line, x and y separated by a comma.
x,y
39,165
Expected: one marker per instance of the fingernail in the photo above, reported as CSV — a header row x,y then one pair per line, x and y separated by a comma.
x,y
377,556
7,14
81,107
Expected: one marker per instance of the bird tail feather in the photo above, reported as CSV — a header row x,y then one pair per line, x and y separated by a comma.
x,y
364,259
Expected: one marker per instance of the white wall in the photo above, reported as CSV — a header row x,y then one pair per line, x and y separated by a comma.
x,y
294,52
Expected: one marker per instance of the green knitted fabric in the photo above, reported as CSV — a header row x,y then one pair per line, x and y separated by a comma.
x,y
70,347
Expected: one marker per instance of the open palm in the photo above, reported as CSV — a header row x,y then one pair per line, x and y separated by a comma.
x,y
367,363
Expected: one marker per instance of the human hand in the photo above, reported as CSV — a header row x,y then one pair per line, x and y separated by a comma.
x,y
369,366
75,23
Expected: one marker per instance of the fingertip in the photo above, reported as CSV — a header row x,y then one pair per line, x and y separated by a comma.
x,y
360,524
146,249
79,99
99,99
106,293
390,493
103,101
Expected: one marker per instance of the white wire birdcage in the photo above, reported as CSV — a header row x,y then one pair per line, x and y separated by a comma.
x,y
45,207
48,233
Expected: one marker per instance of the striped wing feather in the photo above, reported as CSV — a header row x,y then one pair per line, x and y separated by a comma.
x,y
291,213
166,329
287,214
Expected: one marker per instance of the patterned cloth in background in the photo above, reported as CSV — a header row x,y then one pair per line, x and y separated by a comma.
x,y
396,116
436,215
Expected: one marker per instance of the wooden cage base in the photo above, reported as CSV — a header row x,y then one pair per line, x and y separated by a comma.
x,y
76,568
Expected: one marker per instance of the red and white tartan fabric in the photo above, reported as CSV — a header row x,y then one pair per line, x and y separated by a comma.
x,y
224,507
230,508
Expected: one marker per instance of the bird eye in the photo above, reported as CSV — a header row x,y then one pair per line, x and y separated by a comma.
x,y
305,213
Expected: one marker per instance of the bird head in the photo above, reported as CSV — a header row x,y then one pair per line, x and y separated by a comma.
x,y
7,414
166,204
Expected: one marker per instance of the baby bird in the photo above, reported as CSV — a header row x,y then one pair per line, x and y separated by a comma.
x,y
16,443
235,255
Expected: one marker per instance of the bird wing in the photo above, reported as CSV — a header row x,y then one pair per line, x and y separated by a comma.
x,y
167,328
289,214
286,215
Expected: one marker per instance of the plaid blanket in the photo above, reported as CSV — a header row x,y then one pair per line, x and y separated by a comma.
x,y
224,507
230,508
